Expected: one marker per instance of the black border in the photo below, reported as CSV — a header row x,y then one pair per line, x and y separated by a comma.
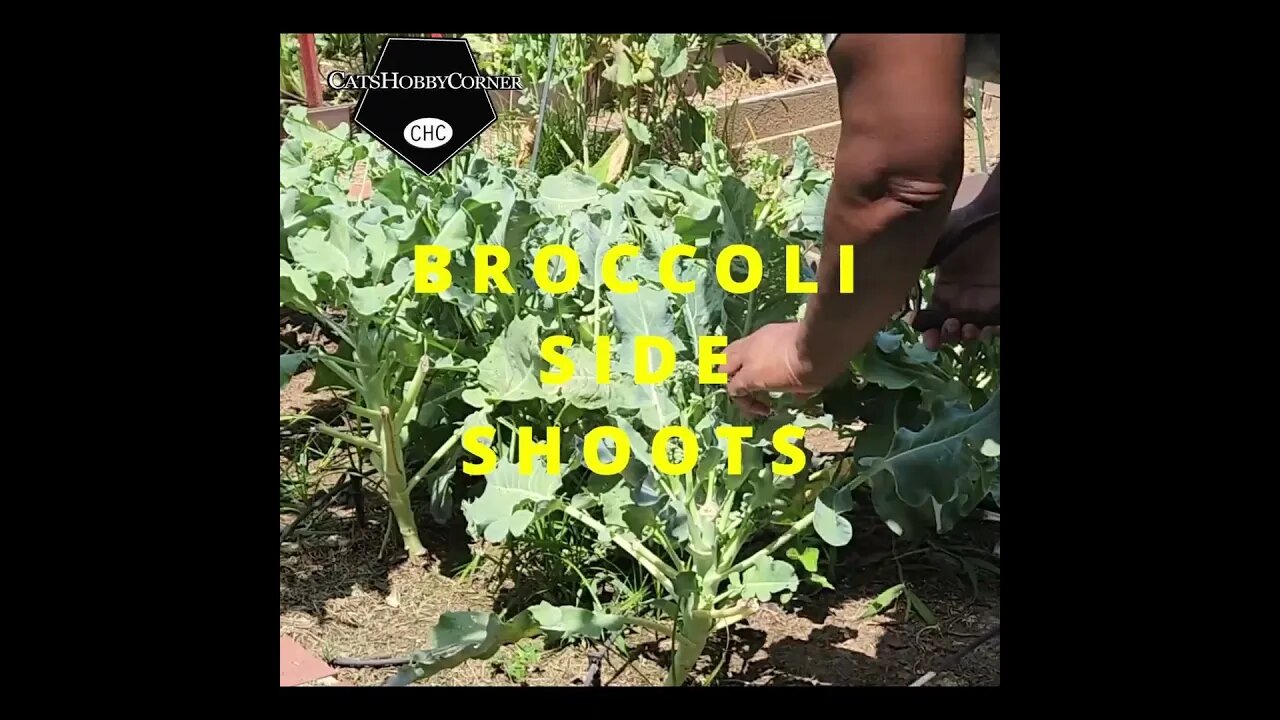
x,y
1058,353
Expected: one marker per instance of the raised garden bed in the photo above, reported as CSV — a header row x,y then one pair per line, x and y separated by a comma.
x,y
736,55
772,120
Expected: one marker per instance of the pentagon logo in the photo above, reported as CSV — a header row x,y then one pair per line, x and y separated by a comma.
x,y
425,100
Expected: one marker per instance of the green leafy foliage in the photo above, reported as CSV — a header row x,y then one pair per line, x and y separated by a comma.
x,y
510,500
289,363
921,608
882,601
462,636
929,479
509,372
522,660
765,579
831,527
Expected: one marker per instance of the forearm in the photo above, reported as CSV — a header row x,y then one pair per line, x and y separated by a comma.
x,y
897,168
887,263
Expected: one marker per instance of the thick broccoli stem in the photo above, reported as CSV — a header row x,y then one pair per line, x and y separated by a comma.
x,y
694,631
397,491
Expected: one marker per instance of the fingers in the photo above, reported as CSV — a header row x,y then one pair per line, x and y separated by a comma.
x,y
935,338
749,405
739,381
952,333
754,368
741,390
732,361
739,386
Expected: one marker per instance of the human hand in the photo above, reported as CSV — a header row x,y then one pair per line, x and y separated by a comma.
x,y
772,359
967,287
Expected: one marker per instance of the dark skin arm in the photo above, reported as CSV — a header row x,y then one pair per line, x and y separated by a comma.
x,y
898,164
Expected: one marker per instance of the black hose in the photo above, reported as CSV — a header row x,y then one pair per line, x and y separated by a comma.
x,y
955,659
370,662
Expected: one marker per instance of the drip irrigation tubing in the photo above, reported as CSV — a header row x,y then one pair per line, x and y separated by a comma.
x,y
370,662
955,659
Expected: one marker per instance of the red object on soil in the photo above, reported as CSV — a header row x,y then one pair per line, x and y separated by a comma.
x,y
297,666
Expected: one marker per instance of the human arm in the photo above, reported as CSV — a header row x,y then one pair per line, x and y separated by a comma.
x,y
897,167
898,163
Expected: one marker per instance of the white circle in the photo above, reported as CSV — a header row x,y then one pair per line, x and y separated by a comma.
x,y
428,132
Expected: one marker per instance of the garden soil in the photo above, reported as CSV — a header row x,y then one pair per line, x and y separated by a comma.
x,y
339,598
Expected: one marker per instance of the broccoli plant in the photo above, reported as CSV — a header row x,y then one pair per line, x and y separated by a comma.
x,y
348,265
